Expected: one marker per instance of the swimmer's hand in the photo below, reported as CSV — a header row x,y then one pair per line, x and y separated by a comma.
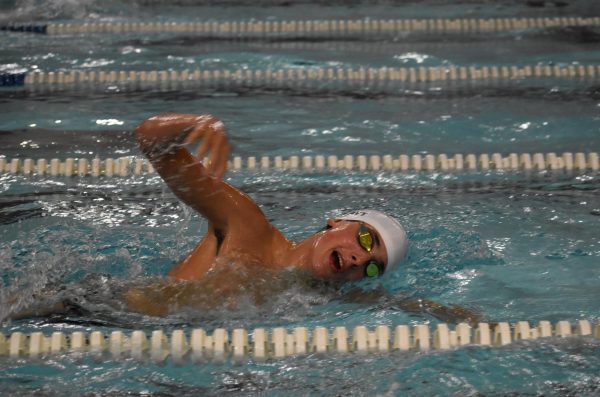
x,y
160,136
211,132
453,314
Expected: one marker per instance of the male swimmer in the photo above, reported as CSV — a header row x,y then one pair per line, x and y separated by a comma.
x,y
241,250
365,243
360,244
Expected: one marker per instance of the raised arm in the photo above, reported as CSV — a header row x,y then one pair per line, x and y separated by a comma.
x,y
162,139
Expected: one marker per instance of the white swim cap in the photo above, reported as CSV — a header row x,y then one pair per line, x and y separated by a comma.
x,y
390,230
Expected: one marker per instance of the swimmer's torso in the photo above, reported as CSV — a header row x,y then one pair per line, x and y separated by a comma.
x,y
219,247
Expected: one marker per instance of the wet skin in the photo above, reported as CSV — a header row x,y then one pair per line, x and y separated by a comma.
x,y
238,230
240,241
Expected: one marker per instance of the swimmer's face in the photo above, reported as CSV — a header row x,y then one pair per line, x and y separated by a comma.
x,y
338,254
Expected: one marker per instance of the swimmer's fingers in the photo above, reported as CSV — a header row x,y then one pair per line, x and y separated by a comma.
x,y
451,314
204,125
217,144
220,156
466,314
196,133
204,147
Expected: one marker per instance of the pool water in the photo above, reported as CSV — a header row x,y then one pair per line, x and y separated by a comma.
x,y
509,245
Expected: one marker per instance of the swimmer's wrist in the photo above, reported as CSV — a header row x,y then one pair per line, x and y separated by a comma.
x,y
168,144
208,122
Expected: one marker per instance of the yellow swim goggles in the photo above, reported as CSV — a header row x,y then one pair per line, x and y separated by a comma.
x,y
365,239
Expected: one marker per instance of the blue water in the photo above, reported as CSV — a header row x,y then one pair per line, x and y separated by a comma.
x,y
509,246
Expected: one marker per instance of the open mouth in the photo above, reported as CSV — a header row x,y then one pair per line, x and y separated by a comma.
x,y
335,261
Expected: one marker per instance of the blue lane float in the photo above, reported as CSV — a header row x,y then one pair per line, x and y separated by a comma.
x,y
12,79
40,29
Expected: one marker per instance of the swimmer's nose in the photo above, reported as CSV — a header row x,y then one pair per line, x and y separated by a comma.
x,y
360,257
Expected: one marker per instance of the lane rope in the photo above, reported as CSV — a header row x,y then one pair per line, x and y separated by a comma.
x,y
128,166
314,78
261,344
332,28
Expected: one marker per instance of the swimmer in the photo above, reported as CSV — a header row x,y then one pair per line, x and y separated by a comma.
x,y
364,243
242,253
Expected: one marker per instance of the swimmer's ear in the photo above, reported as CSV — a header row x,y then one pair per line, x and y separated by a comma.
x,y
332,222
